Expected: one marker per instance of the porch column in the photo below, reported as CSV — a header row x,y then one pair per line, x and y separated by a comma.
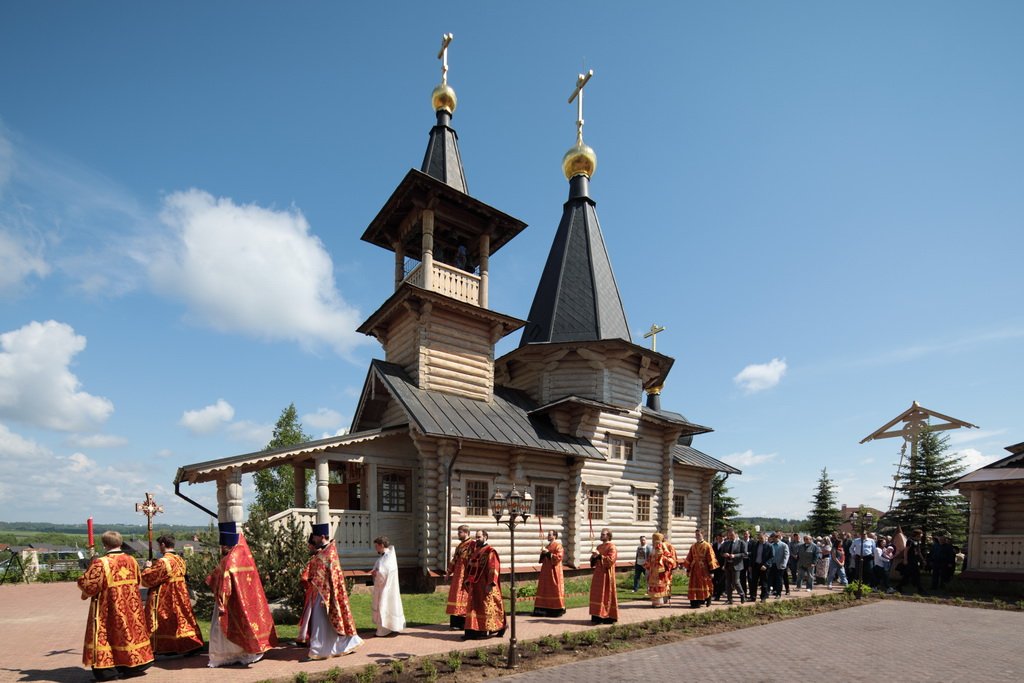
x,y
485,259
299,476
974,529
428,249
323,492
229,496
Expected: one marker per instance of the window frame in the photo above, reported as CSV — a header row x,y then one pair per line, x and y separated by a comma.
x,y
649,497
472,511
537,500
404,477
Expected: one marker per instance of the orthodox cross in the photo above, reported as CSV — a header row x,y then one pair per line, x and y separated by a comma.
x,y
915,419
150,509
446,40
653,335
581,81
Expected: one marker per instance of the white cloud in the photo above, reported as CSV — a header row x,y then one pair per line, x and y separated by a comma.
x,y
749,459
754,378
36,479
252,433
36,386
208,419
248,269
323,418
97,441
338,432
972,458
18,261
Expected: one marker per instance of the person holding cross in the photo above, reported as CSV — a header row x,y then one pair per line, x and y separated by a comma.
x,y
168,608
116,634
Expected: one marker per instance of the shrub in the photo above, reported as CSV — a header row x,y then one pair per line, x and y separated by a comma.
x,y
332,675
302,677
853,586
429,670
397,667
368,674
454,660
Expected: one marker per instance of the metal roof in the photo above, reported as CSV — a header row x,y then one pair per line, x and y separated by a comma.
x,y
577,298
688,455
442,159
250,462
990,475
689,428
505,420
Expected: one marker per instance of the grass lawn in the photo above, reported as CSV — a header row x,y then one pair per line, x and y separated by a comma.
x,y
428,608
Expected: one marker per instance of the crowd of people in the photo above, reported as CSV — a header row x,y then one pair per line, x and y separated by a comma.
x,y
123,636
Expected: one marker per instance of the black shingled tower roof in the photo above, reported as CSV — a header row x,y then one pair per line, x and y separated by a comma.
x,y
442,159
577,298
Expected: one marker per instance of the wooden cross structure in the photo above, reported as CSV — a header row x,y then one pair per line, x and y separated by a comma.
x,y
577,95
652,334
446,40
150,509
914,419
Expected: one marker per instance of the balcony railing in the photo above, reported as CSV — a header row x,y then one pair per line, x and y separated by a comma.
x,y
350,528
1002,553
450,281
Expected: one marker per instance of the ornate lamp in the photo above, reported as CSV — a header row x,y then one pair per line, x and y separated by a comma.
x,y
512,510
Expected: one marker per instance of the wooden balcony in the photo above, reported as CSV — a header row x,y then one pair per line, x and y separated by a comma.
x,y
450,281
1002,553
354,530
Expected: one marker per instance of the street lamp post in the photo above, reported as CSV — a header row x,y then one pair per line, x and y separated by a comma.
x,y
512,511
863,520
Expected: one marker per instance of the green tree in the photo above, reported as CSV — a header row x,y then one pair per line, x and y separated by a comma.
x,y
723,506
824,517
275,486
925,503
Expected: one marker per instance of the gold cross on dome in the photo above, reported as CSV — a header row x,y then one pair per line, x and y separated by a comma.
x,y
446,40
652,334
577,94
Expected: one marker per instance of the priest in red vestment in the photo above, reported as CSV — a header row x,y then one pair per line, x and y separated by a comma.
x,y
458,596
242,628
327,623
550,599
485,614
700,562
659,570
116,634
604,598
168,607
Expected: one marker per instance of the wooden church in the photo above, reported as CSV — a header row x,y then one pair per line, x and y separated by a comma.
x,y
441,424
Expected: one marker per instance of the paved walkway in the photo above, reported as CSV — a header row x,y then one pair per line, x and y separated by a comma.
x,y
880,641
42,627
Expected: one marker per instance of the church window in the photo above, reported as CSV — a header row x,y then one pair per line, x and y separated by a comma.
x,y
620,448
544,501
643,507
477,498
679,505
393,491
595,504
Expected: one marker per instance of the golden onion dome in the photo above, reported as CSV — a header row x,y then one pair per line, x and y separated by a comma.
x,y
580,159
444,97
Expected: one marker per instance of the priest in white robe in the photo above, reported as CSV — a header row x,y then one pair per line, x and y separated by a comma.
x,y
388,615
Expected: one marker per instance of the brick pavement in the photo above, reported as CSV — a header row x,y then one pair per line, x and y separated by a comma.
x,y
42,627
880,641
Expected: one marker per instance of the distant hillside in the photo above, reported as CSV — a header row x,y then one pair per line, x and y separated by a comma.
x,y
23,533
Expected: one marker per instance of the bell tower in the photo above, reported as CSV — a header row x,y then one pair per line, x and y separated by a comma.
x,y
437,324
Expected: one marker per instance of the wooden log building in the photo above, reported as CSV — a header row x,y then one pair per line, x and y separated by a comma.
x,y
441,423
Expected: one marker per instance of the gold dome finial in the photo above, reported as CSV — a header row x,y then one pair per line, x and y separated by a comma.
x,y
580,159
443,96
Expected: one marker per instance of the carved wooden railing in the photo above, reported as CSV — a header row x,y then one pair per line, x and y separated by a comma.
x,y
349,528
450,281
1002,553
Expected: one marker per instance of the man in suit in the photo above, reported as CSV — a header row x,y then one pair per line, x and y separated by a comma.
x,y
760,557
745,577
734,552
718,575
794,553
780,563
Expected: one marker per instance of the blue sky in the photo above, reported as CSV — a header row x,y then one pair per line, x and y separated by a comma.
x,y
822,203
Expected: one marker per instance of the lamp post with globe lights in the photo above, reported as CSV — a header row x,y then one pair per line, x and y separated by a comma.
x,y
512,510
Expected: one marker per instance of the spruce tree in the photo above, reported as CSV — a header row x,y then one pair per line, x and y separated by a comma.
x,y
824,517
723,506
275,486
925,503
